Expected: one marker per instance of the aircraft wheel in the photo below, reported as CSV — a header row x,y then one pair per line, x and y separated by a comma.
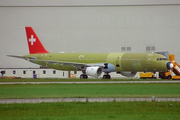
x,y
169,77
82,76
104,77
85,76
108,77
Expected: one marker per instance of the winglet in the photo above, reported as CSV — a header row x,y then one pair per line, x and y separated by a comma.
x,y
35,45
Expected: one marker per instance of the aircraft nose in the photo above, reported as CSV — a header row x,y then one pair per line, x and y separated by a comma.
x,y
169,65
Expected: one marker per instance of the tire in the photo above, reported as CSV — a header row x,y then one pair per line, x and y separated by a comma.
x,y
169,77
108,77
104,77
85,76
81,76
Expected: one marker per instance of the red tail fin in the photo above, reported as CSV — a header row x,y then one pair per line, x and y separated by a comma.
x,y
35,45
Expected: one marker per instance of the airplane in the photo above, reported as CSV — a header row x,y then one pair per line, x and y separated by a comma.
x,y
93,64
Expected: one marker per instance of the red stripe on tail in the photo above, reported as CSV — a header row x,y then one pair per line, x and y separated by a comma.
x,y
35,45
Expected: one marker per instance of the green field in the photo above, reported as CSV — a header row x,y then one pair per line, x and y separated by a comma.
x,y
90,90
92,111
87,110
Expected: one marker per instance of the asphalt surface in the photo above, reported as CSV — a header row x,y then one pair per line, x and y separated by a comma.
x,y
8,101
90,82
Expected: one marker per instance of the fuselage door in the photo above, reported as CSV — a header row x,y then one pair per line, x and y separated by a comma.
x,y
118,61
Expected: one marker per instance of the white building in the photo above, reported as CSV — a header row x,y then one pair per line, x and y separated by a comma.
x,y
34,73
47,73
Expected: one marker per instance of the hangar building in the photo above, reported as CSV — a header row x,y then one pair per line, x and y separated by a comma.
x,y
89,26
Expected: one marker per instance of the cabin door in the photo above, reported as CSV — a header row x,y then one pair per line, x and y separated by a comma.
x,y
118,61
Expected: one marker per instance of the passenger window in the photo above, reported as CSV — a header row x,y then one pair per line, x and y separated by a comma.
x,y
14,72
24,72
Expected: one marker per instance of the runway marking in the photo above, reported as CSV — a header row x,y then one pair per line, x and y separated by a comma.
x,y
8,101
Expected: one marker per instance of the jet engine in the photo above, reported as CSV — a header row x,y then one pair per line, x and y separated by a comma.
x,y
128,74
93,71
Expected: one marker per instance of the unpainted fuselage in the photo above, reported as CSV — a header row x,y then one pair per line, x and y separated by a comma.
x,y
137,62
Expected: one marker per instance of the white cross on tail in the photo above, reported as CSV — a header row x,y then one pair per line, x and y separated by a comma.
x,y
32,40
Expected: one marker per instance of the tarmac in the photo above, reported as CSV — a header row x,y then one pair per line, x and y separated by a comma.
x,y
153,99
90,82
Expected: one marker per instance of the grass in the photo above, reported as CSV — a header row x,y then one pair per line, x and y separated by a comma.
x,y
91,111
71,80
88,110
89,90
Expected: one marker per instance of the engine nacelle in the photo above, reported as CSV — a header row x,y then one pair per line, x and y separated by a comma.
x,y
128,74
93,71
107,67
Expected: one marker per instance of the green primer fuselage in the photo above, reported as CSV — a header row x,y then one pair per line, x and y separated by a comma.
x,y
137,62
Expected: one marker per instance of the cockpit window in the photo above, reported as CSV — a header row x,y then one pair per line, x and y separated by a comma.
x,y
158,59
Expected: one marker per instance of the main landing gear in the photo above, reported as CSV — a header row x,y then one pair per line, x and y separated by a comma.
x,y
83,76
106,76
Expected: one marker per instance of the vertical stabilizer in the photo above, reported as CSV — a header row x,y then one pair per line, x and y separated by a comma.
x,y
34,44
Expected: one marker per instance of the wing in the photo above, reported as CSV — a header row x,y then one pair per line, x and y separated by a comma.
x,y
77,65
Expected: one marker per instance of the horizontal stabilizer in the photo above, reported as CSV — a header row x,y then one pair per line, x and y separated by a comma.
x,y
22,57
16,56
